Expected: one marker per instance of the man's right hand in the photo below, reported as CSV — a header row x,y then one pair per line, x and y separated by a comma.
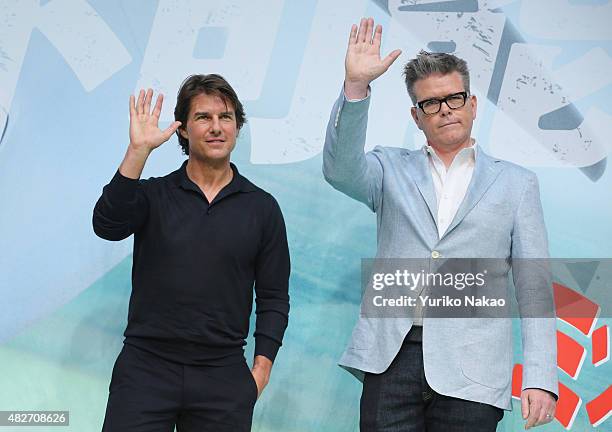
x,y
145,134
363,63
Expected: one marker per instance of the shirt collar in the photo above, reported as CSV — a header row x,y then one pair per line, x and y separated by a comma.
x,y
237,184
472,150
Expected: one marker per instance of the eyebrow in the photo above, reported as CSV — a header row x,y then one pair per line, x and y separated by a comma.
x,y
207,113
443,97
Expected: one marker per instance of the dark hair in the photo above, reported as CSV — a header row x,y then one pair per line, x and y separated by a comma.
x,y
211,84
427,63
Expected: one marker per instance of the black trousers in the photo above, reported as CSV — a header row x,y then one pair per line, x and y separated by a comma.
x,y
400,400
150,394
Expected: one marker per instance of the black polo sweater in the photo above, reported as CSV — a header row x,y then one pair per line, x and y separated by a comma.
x,y
195,264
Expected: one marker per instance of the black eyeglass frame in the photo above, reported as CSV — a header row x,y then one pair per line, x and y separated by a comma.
x,y
445,100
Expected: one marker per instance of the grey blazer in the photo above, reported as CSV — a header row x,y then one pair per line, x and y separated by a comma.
x,y
500,217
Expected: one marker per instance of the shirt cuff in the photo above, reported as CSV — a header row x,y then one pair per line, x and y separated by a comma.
x,y
355,100
266,347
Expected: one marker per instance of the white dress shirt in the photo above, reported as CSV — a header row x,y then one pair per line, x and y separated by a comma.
x,y
450,184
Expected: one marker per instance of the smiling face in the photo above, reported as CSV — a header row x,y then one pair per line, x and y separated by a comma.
x,y
211,128
449,129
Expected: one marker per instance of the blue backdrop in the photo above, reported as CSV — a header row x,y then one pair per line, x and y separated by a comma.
x,y
541,71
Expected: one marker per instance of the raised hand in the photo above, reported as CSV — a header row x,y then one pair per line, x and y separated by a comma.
x,y
145,134
363,63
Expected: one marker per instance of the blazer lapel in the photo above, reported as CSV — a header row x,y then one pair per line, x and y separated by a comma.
x,y
421,174
486,170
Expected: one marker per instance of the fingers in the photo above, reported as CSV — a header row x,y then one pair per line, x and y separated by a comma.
x,y
367,33
361,36
158,106
147,101
531,420
393,55
547,412
140,102
534,413
353,35
542,418
525,405
143,104
369,30
377,36
132,106
170,130
259,382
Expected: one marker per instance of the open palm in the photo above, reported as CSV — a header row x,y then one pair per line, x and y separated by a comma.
x,y
363,63
145,134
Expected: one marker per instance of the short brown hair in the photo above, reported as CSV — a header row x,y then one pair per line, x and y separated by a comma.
x,y
211,84
427,63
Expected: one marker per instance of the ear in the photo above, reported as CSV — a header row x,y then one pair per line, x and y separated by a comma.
x,y
183,133
415,117
474,105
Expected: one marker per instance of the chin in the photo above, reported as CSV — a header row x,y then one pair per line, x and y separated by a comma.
x,y
211,156
217,157
453,139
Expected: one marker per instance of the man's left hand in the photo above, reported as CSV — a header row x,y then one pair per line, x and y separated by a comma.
x,y
262,366
538,407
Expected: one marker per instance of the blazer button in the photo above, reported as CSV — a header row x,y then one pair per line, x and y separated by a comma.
x,y
435,254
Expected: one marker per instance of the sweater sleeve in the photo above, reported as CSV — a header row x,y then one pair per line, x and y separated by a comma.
x,y
122,209
272,270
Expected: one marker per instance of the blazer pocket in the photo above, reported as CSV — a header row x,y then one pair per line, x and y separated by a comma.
x,y
486,366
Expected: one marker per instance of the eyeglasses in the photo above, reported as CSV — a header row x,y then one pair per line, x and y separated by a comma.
x,y
433,106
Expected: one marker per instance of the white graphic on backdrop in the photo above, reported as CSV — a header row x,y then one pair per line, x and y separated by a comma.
x,y
566,21
475,36
473,30
528,91
169,55
299,135
84,40
526,81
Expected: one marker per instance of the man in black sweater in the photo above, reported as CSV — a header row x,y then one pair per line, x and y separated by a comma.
x,y
204,235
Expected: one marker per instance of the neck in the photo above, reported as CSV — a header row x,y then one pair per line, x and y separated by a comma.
x,y
209,175
447,153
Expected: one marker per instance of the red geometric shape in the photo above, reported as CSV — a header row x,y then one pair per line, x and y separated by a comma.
x,y
567,406
600,345
517,380
599,409
570,355
575,309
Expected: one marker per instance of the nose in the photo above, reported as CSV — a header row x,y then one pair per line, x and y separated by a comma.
x,y
215,126
445,109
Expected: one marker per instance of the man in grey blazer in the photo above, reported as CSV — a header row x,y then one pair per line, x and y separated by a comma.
x,y
446,200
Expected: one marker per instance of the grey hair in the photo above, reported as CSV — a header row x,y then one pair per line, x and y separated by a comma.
x,y
427,63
